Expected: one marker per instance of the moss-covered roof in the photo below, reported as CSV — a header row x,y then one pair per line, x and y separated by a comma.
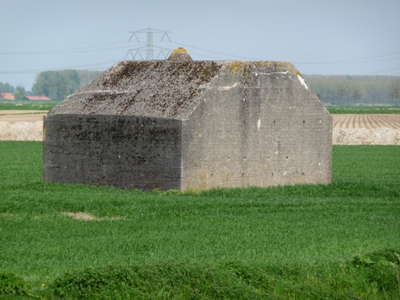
x,y
168,89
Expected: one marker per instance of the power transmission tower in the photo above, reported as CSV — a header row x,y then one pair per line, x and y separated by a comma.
x,y
149,48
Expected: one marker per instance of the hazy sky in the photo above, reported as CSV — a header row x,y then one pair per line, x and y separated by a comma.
x,y
318,36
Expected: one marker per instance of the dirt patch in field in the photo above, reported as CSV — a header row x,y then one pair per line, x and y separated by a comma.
x,y
21,131
81,216
21,125
363,136
348,129
7,215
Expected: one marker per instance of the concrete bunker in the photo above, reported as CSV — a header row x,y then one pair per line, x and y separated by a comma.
x,y
184,124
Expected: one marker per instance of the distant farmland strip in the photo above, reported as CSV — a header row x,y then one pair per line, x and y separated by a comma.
x,y
352,121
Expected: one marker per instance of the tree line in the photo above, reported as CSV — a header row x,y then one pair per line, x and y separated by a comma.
x,y
6,88
18,91
60,84
56,85
353,90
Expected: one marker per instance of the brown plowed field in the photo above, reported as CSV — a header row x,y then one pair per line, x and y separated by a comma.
x,y
366,129
14,116
366,121
347,129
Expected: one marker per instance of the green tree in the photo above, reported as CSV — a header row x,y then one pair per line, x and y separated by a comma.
x,y
56,84
6,88
395,90
19,93
59,84
342,90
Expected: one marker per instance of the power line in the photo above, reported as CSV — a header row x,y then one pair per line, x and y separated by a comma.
x,y
378,58
90,66
149,48
215,52
102,47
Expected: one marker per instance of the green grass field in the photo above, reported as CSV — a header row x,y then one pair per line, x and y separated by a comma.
x,y
255,243
27,105
355,109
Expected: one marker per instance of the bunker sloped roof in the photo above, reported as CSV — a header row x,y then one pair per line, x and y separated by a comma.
x,y
168,89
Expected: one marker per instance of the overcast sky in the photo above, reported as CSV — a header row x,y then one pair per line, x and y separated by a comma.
x,y
319,36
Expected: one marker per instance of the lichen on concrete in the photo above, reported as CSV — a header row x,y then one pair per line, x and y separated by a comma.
x,y
179,54
264,66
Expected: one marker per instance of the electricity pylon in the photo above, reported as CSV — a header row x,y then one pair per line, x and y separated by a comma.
x,y
149,48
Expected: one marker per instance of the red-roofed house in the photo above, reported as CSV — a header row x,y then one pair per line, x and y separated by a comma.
x,y
6,96
37,98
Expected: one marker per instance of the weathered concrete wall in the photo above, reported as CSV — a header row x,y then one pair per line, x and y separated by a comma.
x,y
124,128
259,125
190,125
123,151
